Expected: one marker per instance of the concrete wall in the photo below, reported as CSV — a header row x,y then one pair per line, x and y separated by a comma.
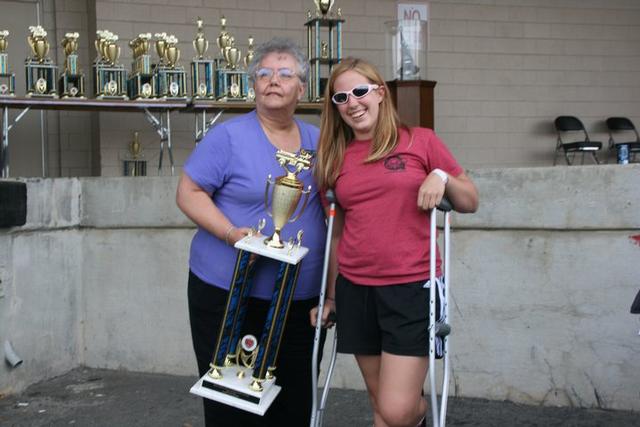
x,y
543,278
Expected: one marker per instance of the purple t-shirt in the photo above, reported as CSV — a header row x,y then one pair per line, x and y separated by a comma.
x,y
232,163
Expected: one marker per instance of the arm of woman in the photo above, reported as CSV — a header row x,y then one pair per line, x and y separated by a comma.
x,y
332,274
460,190
197,204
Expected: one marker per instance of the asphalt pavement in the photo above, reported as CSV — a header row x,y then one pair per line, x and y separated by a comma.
x,y
97,398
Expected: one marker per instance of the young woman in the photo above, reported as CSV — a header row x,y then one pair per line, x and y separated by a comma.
x,y
387,178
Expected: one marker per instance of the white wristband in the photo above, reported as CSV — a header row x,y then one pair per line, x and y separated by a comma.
x,y
442,174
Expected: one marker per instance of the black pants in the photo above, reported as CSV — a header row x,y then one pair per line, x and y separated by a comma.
x,y
292,407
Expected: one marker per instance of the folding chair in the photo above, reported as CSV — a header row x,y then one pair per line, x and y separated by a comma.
x,y
621,132
570,125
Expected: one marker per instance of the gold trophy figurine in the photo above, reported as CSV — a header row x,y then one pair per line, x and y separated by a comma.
x,y
7,78
41,71
287,190
323,7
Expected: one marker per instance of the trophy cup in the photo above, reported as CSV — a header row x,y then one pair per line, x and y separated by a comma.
x,y
242,369
41,72
7,78
71,81
134,165
323,54
170,76
202,69
110,78
142,81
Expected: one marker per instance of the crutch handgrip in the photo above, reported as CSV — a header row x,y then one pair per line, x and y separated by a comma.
x,y
445,205
331,196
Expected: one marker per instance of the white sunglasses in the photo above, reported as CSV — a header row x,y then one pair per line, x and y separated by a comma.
x,y
357,92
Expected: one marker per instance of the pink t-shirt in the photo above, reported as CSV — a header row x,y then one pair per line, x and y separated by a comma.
x,y
385,239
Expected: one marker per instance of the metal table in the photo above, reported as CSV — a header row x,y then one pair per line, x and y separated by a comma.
x,y
161,121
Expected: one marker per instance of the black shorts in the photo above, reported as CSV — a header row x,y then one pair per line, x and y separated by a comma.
x,y
393,319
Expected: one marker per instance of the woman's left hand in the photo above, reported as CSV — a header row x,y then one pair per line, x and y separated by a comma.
x,y
431,192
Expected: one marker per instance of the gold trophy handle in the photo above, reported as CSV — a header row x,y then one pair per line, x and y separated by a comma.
x,y
304,204
266,195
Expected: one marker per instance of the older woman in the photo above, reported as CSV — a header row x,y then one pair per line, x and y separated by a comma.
x,y
386,177
222,191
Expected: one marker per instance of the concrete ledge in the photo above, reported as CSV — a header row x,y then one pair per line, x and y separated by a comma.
x,y
562,198
131,202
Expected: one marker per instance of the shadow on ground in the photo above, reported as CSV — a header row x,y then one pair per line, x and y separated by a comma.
x,y
96,397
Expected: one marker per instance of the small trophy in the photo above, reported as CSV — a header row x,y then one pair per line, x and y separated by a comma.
x,y
142,81
202,69
135,165
41,72
7,78
242,369
110,78
170,76
248,58
323,54
72,80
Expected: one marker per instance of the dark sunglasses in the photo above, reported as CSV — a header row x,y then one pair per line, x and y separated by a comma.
x,y
357,92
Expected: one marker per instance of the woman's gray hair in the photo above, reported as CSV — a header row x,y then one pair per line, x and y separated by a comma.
x,y
280,45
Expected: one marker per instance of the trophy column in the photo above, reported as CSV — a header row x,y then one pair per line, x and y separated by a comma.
x,y
7,78
72,80
141,84
323,53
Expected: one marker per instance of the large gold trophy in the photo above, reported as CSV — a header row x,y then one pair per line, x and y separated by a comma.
x,y
72,80
41,72
202,68
109,77
243,368
7,78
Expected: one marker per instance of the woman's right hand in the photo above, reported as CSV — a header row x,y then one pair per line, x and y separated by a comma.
x,y
328,314
237,233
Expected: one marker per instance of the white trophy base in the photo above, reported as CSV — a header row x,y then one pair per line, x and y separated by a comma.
x,y
234,391
256,245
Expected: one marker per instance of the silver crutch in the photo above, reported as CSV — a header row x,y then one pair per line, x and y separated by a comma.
x,y
442,328
317,410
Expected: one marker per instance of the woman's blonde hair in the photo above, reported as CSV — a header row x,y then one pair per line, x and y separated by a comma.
x,y
335,133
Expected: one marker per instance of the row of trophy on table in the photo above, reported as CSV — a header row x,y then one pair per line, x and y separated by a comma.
x,y
221,77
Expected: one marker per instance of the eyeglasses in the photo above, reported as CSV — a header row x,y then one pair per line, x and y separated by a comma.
x,y
265,74
357,92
